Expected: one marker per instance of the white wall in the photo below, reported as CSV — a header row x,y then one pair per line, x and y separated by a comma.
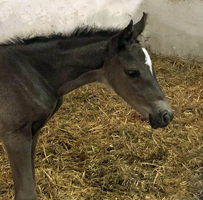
x,y
175,27
37,16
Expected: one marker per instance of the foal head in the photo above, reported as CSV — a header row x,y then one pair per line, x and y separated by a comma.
x,y
128,70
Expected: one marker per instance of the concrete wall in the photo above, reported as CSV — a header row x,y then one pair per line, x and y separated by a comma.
x,y
175,27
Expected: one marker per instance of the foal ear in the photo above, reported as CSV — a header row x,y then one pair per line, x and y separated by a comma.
x,y
121,40
126,36
139,26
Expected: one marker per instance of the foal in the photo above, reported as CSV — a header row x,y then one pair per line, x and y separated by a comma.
x,y
35,73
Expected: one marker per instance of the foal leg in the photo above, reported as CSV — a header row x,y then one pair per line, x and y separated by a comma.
x,y
18,146
33,150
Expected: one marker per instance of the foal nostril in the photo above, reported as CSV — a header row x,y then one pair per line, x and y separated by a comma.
x,y
165,118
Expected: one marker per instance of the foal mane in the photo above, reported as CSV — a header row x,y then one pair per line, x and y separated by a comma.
x,y
78,32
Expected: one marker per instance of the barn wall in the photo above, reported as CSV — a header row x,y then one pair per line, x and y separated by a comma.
x,y
175,27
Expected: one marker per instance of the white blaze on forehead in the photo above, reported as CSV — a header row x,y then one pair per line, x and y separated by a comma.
x,y
147,60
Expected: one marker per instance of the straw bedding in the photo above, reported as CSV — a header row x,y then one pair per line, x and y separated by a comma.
x,y
97,148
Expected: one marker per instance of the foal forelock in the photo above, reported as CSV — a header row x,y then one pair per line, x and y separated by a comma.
x,y
147,60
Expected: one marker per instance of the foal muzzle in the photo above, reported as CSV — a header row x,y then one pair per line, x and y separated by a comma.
x,y
162,119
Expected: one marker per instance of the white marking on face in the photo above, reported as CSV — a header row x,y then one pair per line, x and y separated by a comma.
x,y
147,60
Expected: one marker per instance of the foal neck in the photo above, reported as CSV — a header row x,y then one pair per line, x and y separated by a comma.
x,y
66,69
65,64
81,66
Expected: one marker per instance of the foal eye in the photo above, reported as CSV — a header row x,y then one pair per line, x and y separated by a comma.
x,y
133,73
